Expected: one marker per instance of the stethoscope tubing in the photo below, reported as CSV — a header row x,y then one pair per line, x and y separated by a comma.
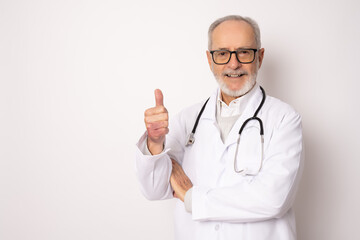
x,y
191,138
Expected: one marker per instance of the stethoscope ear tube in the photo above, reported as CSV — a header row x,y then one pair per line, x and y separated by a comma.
x,y
261,103
255,115
191,138
250,119
244,171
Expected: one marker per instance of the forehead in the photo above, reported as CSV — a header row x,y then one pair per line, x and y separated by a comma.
x,y
233,34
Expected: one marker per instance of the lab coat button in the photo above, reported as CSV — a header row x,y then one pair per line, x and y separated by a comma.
x,y
217,227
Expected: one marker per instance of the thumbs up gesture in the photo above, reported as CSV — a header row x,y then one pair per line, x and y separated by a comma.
x,y
156,122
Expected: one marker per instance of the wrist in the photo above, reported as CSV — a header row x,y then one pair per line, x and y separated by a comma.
x,y
155,148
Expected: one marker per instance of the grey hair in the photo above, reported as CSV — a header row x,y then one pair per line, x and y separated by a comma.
x,y
248,20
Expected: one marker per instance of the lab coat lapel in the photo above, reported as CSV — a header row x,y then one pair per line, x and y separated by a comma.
x,y
208,148
209,115
249,111
210,110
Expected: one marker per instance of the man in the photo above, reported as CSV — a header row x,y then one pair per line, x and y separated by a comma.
x,y
232,187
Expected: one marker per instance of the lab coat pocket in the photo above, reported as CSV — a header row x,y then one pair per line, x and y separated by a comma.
x,y
249,153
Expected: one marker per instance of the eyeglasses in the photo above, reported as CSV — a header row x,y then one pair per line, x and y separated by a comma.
x,y
243,55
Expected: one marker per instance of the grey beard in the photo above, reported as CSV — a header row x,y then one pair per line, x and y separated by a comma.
x,y
248,85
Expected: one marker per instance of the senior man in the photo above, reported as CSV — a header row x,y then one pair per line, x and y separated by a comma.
x,y
234,161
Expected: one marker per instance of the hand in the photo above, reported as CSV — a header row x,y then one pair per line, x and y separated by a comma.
x,y
179,181
156,122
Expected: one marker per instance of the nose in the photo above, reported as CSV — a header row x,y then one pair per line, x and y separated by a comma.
x,y
234,63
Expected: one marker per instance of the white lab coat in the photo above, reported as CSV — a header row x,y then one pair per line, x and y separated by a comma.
x,y
228,205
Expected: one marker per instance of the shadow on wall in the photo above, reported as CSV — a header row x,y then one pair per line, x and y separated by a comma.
x,y
305,209
272,79
271,75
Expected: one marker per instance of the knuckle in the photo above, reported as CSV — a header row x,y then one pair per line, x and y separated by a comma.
x,y
148,112
146,119
162,109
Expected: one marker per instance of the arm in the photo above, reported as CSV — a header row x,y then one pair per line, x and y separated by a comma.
x,y
179,181
153,164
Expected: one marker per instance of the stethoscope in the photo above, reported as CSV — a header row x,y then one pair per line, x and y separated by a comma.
x,y
191,138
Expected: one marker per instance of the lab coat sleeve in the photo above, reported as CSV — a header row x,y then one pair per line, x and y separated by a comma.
x,y
154,171
268,195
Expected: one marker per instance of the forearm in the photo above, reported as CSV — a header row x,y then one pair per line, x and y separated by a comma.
x,y
153,172
249,202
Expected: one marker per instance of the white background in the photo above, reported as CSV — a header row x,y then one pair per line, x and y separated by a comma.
x,y
76,76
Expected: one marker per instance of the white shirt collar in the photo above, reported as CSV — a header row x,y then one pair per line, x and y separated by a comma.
x,y
236,106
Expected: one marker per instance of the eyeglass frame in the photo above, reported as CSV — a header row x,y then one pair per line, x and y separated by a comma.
x,y
235,52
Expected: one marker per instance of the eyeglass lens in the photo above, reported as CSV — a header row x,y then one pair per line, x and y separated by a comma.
x,y
243,55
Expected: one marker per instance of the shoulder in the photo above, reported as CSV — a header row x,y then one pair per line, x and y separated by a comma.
x,y
189,114
194,108
280,112
276,105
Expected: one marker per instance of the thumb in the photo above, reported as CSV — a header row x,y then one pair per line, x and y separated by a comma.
x,y
159,99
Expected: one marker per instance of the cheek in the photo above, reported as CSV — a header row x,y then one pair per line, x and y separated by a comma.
x,y
217,69
251,69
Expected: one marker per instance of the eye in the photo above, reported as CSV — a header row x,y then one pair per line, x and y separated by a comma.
x,y
244,52
221,53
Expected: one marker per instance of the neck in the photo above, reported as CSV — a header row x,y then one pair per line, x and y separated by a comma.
x,y
227,99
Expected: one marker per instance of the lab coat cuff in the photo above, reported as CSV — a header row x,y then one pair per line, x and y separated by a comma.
x,y
199,202
143,155
188,200
143,148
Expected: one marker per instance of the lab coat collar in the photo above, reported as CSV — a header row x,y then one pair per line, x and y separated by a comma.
x,y
236,106
210,110
251,106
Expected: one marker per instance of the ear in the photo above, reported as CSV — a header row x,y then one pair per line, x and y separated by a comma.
x,y
261,56
209,58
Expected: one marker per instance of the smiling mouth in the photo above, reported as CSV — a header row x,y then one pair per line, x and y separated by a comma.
x,y
234,75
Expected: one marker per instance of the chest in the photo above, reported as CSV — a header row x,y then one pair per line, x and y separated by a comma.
x,y
210,161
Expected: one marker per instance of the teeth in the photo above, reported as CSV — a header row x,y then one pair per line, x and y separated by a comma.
x,y
234,75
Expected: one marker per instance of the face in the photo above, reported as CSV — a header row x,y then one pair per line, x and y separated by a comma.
x,y
235,79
